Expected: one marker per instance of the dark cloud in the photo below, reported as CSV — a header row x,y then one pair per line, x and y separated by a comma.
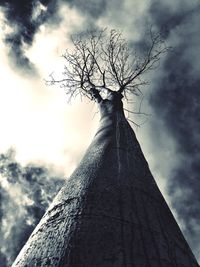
x,y
25,18
25,194
90,7
176,100
167,16
18,16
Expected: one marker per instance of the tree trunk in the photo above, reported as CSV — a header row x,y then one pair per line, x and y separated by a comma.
x,y
110,213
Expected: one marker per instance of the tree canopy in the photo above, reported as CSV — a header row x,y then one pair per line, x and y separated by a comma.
x,y
103,61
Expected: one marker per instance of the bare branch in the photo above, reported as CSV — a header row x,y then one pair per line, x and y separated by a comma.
x,y
137,112
134,123
105,61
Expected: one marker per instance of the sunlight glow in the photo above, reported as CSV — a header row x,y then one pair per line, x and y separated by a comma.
x,y
37,120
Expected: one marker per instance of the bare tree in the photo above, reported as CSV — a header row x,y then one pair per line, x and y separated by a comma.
x,y
105,62
110,212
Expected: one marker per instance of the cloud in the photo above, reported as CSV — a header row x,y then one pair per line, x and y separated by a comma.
x,y
175,99
126,16
24,19
169,15
92,8
25,194
37,120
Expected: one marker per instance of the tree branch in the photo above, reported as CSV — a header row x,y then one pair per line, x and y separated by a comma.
x,y
103,61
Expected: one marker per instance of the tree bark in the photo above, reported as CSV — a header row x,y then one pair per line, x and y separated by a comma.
x,y
110,213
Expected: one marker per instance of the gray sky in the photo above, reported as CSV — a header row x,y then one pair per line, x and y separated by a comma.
x,y
39,123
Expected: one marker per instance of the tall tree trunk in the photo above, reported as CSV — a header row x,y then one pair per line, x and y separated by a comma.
x,y
110,213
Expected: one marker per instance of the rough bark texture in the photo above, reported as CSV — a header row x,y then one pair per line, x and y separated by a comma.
x,y
110,213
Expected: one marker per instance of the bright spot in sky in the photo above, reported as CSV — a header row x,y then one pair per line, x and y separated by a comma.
x,y
37,120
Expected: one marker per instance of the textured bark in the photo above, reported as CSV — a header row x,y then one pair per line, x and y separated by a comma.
x,y
110,213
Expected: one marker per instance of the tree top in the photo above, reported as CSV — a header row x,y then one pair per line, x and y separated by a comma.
x,y
102,62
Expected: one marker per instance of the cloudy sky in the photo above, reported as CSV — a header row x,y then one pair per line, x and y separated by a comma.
x,y
48,135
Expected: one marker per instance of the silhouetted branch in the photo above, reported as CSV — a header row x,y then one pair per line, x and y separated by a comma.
x,y
104,61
